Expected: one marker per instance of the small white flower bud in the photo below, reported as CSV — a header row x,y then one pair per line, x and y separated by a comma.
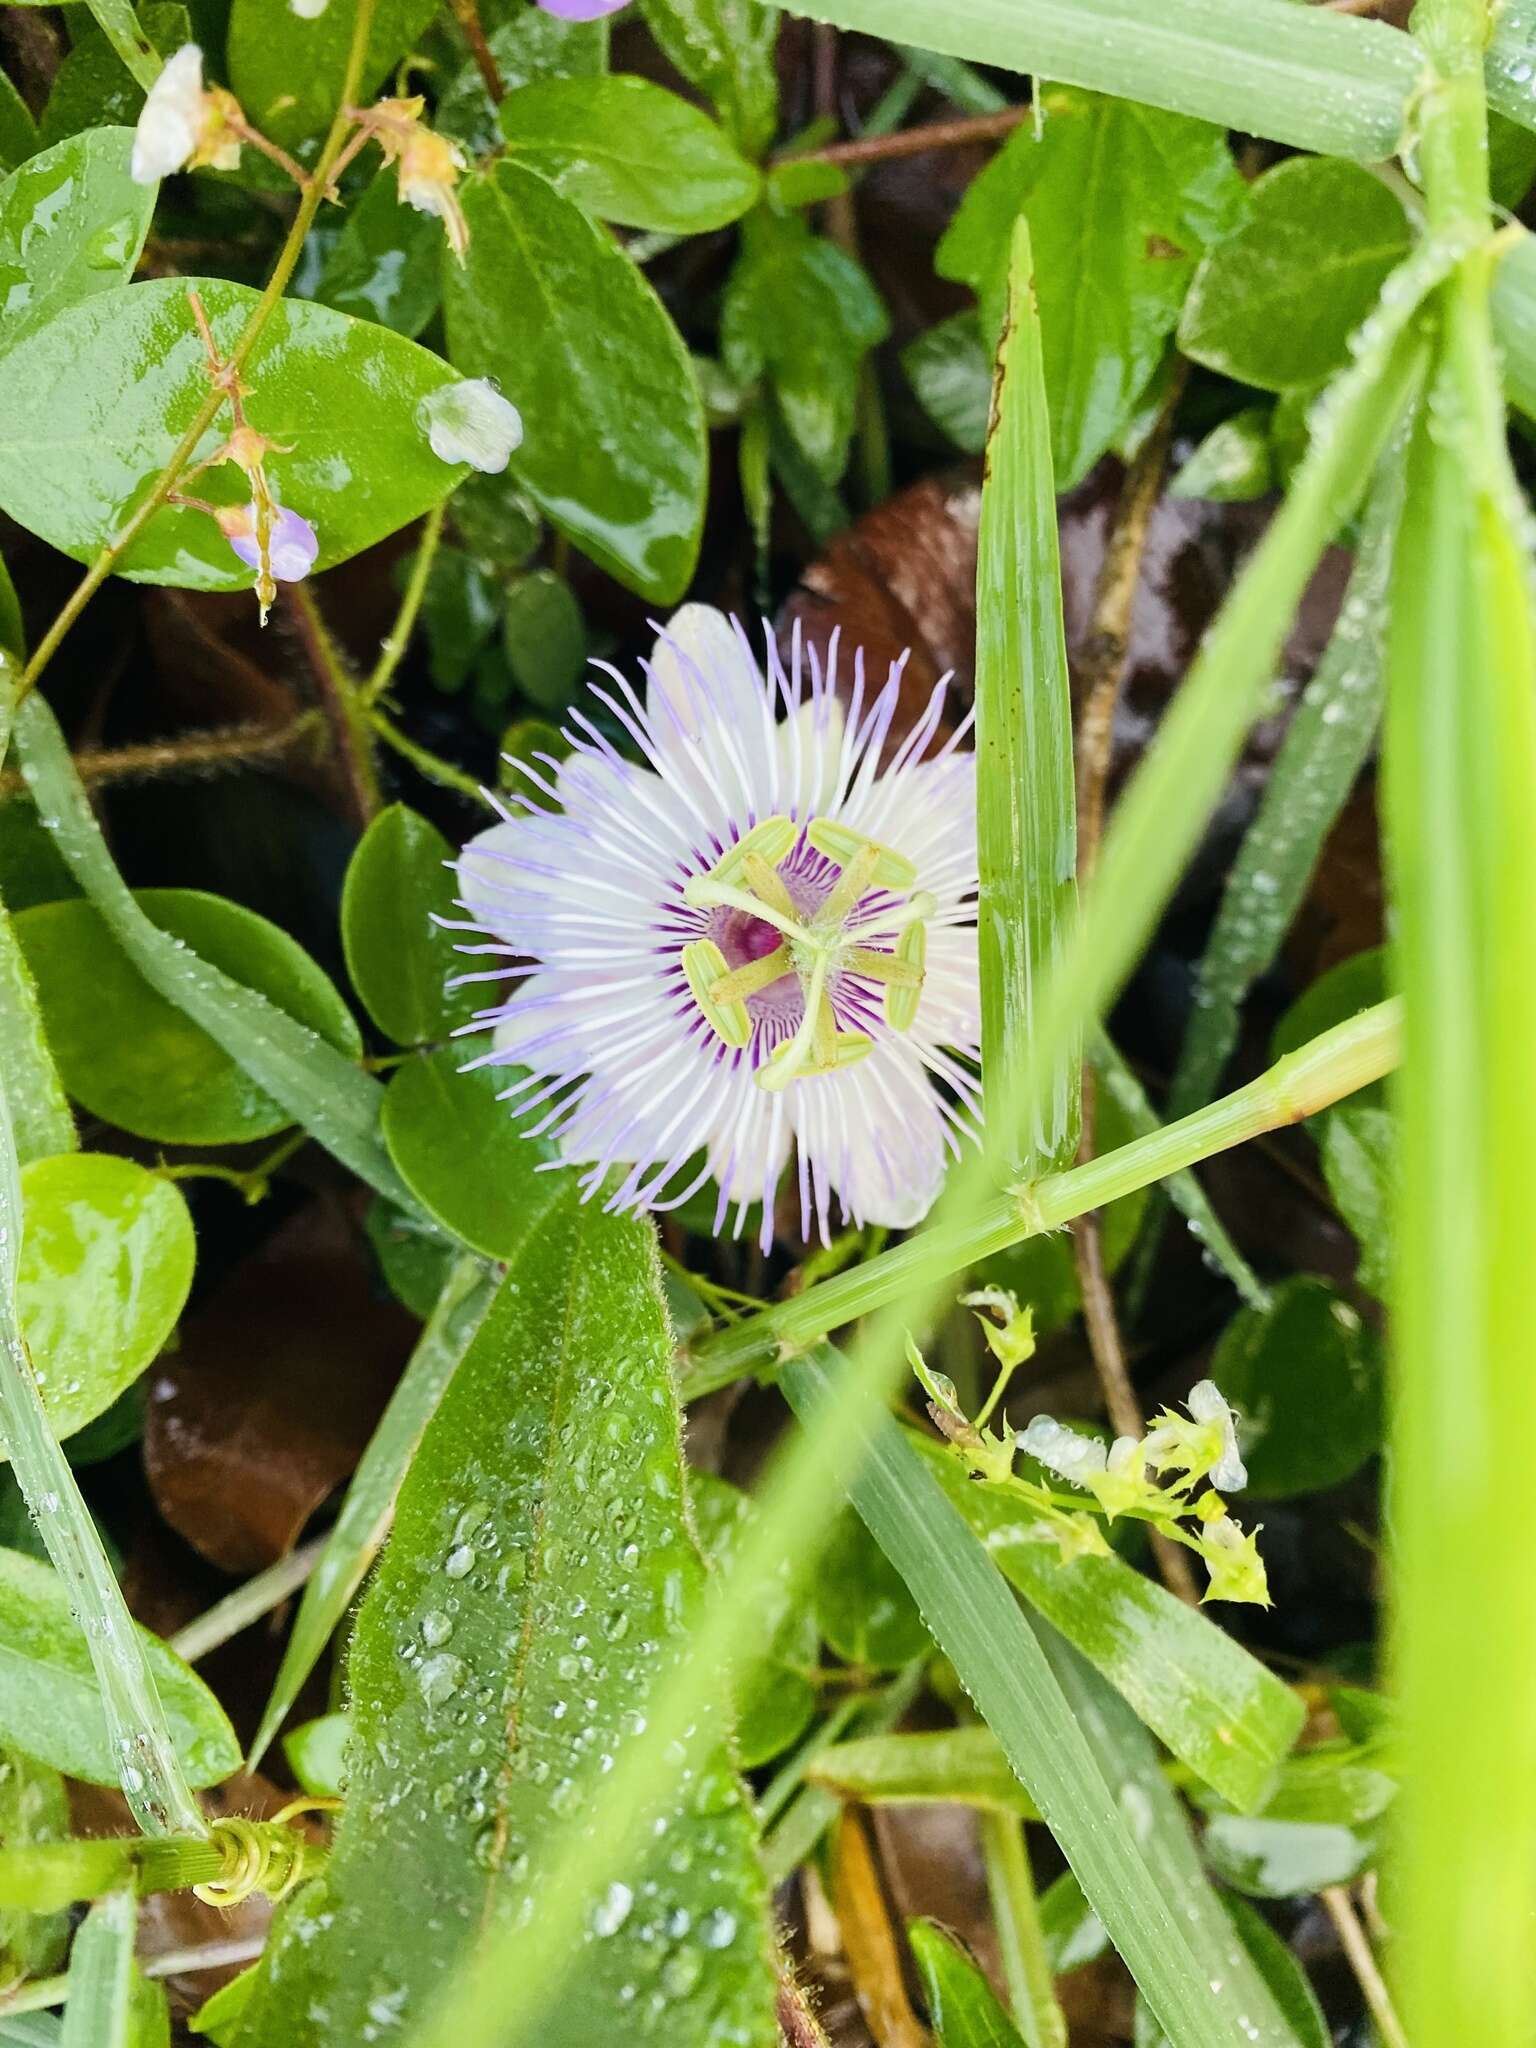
x,y
1208,1405
171,120
1062,1450
471,422
309,10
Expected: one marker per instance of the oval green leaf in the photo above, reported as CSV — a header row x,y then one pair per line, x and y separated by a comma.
x,y
287,70
50,1703
1305,1376
134,1059
462,1153
1359,1147
97,400
72,223
630,151
384,265
106,1265
614,449
399,880
775,1705
862,1605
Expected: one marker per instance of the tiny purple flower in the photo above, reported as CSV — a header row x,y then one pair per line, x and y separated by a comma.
x,y
757,938
581,10
294,542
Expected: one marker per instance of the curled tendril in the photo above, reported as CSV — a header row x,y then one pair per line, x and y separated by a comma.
x,y
261,1856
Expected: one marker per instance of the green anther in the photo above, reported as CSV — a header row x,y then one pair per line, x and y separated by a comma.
x,y
841,843
902,998
772,839
704,965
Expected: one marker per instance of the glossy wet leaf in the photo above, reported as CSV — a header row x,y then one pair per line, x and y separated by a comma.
x,y
72,223
1282,1859
1234,462
534,1596
1122,200
775,1705
544,638
962,2007
803,314
287,71
1275,1963
527,44
50,1704
1359,1152
1073,1933
614,450
99,2013
18,130
34,1807
384,265
1305,1377
862,1607
106,1266
460,1151
97,400
40,1118
398,881
951,373
1216,1707
317,1752
1276,302
965,1764
459,612
93,88
629,151
131,1057
726,48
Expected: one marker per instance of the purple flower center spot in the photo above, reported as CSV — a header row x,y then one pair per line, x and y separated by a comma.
x,y
744,939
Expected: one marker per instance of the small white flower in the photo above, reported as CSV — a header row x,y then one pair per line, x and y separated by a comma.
x,y
309,10
753,939
1062,1450
471,422
1205,1402
183,124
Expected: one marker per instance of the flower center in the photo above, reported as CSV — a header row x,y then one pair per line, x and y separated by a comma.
x,y
769,933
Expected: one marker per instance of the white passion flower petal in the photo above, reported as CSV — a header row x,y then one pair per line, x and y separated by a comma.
x,y
471,422
717,963
171,119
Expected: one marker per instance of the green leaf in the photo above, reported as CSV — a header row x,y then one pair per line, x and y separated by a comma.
x,y
726,48
528,45
1342,991
218,2018
101,1972
18,130
489,1697
775,1705
862,1608
462,1152
1305,1376
966,1765
384,265
1359,1148
72,223
12,631
1073,1933
398,881
93,88
629,151
951,373
34,1807
40,1116
1214,1705
364,1520
1026,806
801,313
545,638
316,1753
106,1266
1121,202
131,1057
413,1254
50,1704
1233,463
962,2006
287,72
1276,302
97,400
1282,1859
1281,1972
614,450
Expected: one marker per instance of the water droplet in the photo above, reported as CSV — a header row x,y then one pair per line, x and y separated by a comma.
x,y
609,1916
460,1561
440,1678
436,1628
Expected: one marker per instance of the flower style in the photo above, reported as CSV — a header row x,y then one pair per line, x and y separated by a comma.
x,y
762,938
471,422
427,165
183,125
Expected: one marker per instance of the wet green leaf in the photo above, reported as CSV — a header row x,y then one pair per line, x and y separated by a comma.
x,y
778,1700
862,1607
34,1807
1286,1979
128,1055
1074,1934
1359,1147
218,2017
398,881
101,1976
93,88
962,2006
106,1266
414,1255
50,1704
527,44
1281,1859
951,373
97,399
534,1596
459,613
18,130
460,1151
1276,302
40,1118
801,313
1305,1376
629,151
544,638
287,71
1122,200
1234,462
614,450
72,223
384,265
726,48
966,1765
316,1753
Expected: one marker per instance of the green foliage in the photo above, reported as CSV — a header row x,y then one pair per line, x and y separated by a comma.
x,y
106,1265
384,265
399,882
94,88
18,130
1305,1376
133,1058
50,1703
34,1807
965,1764
287,71
544,639
862,1607
1073,1933
39,1112
72,223
726,48
1235,461
951,373
961,2003
775,1705
1359,1149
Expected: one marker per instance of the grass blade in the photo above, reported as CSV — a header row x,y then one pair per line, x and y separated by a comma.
x,y
100,2009
1026,812
117,22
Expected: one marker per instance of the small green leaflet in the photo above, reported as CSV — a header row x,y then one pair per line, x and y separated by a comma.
x,y
72,223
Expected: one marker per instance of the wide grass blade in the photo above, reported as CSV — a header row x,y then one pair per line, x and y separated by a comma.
x,y
100,2009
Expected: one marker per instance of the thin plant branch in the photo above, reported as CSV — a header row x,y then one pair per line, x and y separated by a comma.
x,y
190,754
869,149
467,15
1361,1958
341,701
797,2023
399,635
248,1603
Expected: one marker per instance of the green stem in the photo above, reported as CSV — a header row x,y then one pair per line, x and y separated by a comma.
x,y
399,635
423,760
248,1602
1016,1912
1321,1072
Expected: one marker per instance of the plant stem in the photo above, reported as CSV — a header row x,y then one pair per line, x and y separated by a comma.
x,y
467,15
1317,1074
1016,1912
207,412
248,1603
399,635
196,753
932,135
425,762
1362,1960
341,701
